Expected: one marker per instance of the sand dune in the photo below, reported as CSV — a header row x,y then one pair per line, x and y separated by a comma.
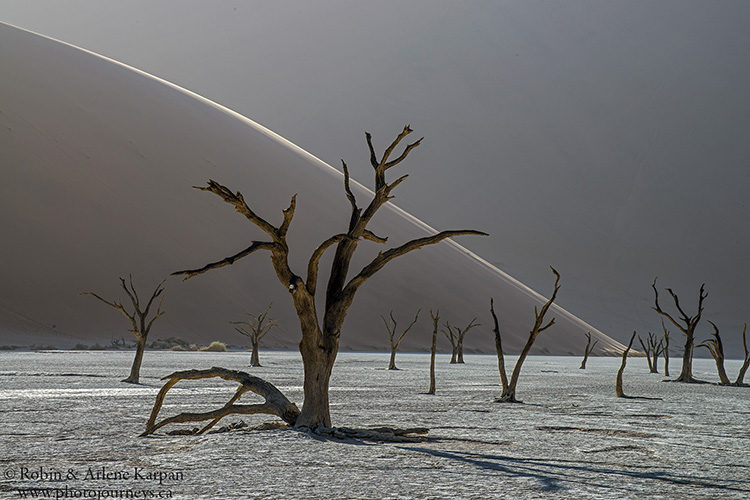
x,y
98,160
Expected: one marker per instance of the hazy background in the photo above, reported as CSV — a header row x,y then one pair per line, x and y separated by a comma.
x,y
610,139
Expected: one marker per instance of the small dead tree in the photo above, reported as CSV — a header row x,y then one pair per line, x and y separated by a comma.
x,y
666,348
509,394
320,336
394,340
456,337
618,384
688,328
587,350
140,324
653,350
435,320
746,363
255,327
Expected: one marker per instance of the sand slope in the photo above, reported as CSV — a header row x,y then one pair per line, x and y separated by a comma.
x,y
98,160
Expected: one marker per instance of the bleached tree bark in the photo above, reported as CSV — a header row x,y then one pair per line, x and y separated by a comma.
x,y
688,328
433,347
509,395
395,341
587,350
499,348
716,348
618,383
666,348
255,327
320,336
139,320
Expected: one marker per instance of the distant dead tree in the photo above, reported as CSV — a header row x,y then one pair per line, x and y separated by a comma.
x,y
653,350
393,339
666,348
587,350
255,327
320,336
690,323
499,348
140,324
509,393
435,320
455,336
618,384
746,363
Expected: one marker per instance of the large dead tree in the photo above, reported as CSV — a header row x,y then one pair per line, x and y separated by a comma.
x,y
618,383
746,363
689,323
653,350
587,350
138,317
433,347
509,392
255,327
499,348
394,340
455,336
320,336
666,348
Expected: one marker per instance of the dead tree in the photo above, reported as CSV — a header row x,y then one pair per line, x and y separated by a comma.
x,y
456,337
499,348
435,320
653,350
690,323
716,348
255,327
746,363
587,350
320,336
396,341
618,384
140,324
666,348
509,394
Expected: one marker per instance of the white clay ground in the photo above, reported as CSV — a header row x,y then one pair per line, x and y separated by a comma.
x,y
571,439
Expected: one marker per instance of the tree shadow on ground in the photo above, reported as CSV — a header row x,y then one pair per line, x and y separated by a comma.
x,y
555,475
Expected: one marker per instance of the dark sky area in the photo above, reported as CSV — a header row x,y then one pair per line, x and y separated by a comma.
x,y
609,139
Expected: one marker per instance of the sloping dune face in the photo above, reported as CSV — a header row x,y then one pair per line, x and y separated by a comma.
x,y
98,160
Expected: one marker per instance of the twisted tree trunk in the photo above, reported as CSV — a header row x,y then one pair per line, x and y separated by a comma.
x,y
746,363
499,348
587,350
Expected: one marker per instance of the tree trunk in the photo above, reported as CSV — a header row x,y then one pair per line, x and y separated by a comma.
x,y
509,395
618,384
254,358
454,353
723,379
460,352
392,363
583,362
135,370
655,363
686,375
743,370
666,361
318,355
432,362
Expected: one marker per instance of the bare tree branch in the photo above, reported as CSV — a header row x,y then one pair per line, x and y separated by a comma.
x,y
236,200
228,261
